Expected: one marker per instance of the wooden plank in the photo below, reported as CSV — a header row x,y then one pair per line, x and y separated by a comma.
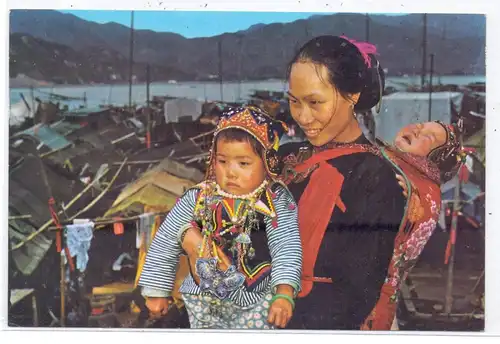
x,y
114,288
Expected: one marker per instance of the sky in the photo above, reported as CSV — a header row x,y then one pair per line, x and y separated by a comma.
x,y
190,23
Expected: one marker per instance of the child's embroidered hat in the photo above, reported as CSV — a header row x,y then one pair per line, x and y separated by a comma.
x,y
450,155
253,120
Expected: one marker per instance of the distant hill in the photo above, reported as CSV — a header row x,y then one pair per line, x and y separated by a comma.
x,y
262,51
34,58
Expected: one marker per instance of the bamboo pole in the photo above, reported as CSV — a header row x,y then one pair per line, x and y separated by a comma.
x,y
91,204
453,233
202,135
64,208
451,264
200,155
139,162
123,138
34,306
62,280
44,155
19,217
193,159
63,292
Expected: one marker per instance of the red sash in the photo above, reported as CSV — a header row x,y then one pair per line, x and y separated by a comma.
x,y
316,205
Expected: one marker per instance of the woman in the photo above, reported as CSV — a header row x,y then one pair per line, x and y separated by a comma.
x,y
350,203
351,207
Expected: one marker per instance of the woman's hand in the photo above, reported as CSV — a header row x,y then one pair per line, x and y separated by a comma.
x,y
402,183
191,245
281,309
158,306
224,261
192,241
416,210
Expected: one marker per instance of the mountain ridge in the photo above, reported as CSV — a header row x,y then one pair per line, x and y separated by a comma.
x,y
262,50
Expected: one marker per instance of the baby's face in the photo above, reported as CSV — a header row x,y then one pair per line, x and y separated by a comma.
x,y
421,138
239,170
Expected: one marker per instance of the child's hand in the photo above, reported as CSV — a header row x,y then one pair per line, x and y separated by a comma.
x,y
280,313
281,309
158,306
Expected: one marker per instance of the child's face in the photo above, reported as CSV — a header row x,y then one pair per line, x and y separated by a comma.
x,y
238,169
421,138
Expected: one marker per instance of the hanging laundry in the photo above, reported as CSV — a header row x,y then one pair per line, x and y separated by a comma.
x,y
147,226
118,227
78,239
80,221
118,264
144,229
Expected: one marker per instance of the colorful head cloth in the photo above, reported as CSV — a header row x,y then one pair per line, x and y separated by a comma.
x,y
258,124
368,51
364,48
450,155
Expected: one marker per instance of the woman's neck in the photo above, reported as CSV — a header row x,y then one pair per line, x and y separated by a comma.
x,y
350,133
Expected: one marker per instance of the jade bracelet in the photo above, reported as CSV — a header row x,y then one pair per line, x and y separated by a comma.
x,y
283,296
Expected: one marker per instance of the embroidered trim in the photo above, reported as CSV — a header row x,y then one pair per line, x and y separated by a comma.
x,y
422,164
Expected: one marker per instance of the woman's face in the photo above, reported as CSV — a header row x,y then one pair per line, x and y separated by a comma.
x,y
421,138
317,106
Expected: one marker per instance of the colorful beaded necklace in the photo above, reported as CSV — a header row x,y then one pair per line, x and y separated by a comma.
x,y
242,219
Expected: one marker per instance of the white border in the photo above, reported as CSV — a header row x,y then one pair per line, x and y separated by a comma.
x,y
380,6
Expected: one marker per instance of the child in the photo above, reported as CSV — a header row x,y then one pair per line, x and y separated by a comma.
x,y
425,155
436,143
243,278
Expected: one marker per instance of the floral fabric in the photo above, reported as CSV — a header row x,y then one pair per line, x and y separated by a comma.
x,y
208,312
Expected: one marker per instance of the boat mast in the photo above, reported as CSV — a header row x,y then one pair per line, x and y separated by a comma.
x,y
367,27
424,51
219,46
131,59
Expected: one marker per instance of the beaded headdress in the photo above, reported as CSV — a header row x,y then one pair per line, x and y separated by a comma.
x,y
258,124
450,155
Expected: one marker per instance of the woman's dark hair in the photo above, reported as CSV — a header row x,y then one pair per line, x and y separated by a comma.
x,y
350,70
239,135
